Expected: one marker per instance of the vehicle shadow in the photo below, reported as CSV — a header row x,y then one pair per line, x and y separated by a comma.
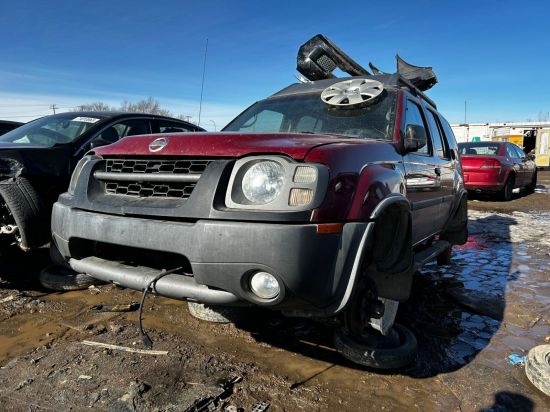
x,y
454,310
19,270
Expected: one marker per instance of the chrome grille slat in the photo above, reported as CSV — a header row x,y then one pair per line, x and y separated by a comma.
x,y
147,177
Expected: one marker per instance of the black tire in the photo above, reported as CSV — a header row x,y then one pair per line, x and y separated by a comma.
x,y
507,191
55,277
533,185
28,211
378,358
537,367
215,314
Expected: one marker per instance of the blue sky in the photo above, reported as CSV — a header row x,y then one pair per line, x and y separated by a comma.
x,y
494,54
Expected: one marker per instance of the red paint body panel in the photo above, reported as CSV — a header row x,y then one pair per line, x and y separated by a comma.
x,y
358,179
482,173
224,144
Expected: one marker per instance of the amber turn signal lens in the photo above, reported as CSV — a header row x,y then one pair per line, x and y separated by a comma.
x,y
300,197
329,228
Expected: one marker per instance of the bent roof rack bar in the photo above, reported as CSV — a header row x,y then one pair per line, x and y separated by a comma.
x,y
318,57
415,90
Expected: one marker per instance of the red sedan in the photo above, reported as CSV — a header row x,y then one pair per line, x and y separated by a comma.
x,y
497,168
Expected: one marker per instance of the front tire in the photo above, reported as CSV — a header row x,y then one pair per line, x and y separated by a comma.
x,y
532,186
397,355
29,213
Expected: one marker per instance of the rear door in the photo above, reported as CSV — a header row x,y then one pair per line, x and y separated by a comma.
x,y
519,167
423,181
442,162
528,166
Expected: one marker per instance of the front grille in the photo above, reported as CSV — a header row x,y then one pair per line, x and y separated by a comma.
x,y
146,178
156,166
150,189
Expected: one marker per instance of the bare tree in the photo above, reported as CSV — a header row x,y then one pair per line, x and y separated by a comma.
x,y
94,107
149,105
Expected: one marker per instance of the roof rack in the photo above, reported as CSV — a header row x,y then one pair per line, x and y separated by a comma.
x,y
319,57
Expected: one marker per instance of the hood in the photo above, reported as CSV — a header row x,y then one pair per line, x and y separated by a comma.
x,y
224,144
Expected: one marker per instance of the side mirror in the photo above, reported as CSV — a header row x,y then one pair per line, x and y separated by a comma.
x,y
415,138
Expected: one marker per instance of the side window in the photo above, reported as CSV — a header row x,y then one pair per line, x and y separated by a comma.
x,y
166,126
414,116
132,127
520,152
435,130
449,135
265,121
511,152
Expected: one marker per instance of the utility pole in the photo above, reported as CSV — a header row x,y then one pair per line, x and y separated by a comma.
x,y
202,85
53,107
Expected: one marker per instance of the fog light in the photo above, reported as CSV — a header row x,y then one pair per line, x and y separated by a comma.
x,y
264,285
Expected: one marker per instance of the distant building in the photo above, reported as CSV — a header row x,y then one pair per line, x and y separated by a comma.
x,y
532,137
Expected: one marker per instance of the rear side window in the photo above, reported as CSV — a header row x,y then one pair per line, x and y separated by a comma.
x,y
435,130
414,117
449,135
166,126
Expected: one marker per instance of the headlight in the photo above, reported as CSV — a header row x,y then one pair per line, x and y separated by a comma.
x,y
77,170
276,183
263,181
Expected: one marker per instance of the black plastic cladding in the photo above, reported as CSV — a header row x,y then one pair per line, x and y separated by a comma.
x,y
206,202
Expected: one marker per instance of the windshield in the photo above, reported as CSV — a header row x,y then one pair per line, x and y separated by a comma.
x,y
307,113
51,130
478,149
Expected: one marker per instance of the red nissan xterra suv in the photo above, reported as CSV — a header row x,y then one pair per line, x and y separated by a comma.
x,y
319,201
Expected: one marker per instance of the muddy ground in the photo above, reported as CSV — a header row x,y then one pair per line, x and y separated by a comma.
x,y
491,302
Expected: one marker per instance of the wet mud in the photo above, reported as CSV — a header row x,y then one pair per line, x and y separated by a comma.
x,y
492,301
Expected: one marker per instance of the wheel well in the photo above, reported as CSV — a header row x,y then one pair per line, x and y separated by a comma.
x,y
391,246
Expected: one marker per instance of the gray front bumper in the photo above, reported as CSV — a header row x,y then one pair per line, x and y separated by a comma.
x,y
317,271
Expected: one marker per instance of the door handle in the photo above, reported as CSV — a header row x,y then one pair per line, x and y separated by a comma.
x,y
437,171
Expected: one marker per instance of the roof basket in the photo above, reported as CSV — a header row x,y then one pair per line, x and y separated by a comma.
x,y
423,78
319,57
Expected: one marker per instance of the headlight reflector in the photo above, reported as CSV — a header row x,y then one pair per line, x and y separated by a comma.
x,y
263,181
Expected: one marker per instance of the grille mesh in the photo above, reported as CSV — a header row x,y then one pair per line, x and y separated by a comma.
x,y
156,166
167,189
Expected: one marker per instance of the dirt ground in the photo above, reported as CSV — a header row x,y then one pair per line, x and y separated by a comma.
x,y
491,302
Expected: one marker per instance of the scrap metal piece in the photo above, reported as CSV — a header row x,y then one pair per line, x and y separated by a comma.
x,y
210,403
319,57
423,78
260,406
